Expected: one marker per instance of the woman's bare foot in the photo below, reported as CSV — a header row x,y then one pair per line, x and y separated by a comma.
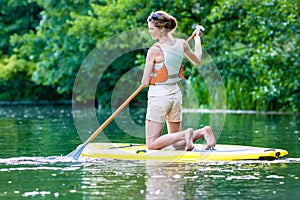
x,y
189,146
209,138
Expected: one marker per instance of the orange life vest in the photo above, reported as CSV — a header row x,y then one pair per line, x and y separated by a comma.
x,y
158,77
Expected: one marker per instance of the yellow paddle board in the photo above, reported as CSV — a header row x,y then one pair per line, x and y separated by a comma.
x,y
221,152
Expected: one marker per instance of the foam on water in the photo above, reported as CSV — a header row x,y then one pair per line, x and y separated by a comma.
x,y
68,163
42,163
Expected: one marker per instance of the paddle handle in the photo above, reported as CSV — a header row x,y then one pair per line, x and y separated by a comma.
x,y
92,137
198,29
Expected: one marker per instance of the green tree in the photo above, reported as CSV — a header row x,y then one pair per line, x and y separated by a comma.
x,y
56,54
253,43
16,17
257,52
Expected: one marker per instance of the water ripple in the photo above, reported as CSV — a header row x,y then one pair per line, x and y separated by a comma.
x,y
84,161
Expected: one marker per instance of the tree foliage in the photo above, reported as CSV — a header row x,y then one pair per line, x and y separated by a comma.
x,y
253,43
260,61
18,18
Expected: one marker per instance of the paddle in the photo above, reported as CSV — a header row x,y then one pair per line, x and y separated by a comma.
x,y
76,153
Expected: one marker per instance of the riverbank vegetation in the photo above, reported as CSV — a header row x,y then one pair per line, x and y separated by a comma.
x,y
254,44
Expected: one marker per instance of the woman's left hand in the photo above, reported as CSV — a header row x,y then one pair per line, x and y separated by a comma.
x,y
197,35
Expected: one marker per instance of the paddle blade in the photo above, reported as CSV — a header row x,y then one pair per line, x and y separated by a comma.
x,y
77,152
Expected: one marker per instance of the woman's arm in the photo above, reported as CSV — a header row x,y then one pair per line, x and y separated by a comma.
x,y
194,57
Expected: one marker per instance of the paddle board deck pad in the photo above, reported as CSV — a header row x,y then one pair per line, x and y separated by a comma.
x,y
221,152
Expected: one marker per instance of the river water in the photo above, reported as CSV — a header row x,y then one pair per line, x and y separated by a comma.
x,y
35,139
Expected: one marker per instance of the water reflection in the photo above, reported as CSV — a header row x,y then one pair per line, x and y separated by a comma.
x,y
164,181
152,180
116,179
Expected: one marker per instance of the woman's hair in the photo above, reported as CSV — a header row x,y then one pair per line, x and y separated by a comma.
x,y
161,19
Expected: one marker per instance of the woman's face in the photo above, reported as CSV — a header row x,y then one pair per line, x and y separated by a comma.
x,y
154,31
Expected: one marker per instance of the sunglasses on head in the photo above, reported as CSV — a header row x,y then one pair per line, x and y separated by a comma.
x,y
154,16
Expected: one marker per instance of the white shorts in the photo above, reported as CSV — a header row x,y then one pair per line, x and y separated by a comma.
x,y
161,108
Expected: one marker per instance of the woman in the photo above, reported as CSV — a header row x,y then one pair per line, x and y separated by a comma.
x,y
162,72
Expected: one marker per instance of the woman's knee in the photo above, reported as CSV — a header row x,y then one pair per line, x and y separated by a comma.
x,y
152,146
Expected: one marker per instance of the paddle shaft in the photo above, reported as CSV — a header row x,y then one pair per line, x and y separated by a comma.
x,y
77,152
92,137
191,37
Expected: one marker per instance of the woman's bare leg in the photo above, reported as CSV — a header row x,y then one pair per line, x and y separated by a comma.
x,y
155,139
175,127
208,135
153,131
